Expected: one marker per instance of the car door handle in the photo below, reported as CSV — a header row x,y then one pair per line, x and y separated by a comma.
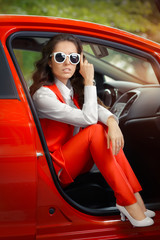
x,y
39,154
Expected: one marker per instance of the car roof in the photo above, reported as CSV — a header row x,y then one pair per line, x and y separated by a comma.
x,y
77,27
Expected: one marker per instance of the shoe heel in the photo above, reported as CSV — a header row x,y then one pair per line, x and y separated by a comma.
x,y
123,218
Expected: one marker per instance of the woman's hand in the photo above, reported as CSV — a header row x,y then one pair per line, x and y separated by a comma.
x,y
87,71
114,136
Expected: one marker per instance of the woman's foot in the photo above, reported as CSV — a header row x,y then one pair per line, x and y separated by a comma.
x,y
148,213
136,218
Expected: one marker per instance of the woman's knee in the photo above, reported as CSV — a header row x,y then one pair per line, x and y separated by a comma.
x,y
97,130
99,127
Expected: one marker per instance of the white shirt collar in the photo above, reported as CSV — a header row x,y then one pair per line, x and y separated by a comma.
x,y
66,90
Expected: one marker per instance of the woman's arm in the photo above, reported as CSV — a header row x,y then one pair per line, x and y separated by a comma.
x,y
48,106
114,135
104,114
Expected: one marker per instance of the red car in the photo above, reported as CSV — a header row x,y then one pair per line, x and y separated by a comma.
x,y
33,205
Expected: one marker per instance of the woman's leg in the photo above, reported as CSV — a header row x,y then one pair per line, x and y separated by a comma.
x,y
91,143
140,201
124,164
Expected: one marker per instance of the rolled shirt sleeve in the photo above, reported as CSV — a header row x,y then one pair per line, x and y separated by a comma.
x,y
104,114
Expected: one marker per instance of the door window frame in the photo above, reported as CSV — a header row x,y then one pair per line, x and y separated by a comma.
x,y
7,86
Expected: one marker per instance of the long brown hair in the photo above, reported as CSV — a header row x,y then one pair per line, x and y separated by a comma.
x,y
43,74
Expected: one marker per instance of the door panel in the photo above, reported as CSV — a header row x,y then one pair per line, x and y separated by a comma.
x,y
17,161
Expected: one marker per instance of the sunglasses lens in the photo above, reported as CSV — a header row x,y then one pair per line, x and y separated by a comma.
x,y
59,57
74,58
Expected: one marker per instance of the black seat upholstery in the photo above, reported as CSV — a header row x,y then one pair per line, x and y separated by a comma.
x,y
91,190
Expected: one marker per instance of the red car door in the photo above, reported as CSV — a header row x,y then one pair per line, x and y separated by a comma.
x,y
18,158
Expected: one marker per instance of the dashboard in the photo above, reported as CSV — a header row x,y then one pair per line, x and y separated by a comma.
x,y
143,102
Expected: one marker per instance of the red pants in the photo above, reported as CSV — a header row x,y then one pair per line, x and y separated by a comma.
x,y
89,146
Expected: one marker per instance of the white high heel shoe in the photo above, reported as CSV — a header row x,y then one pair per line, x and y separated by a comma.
x,y
142,223
150,213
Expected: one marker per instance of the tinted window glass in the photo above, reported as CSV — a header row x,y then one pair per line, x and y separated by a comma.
x,y
7,87
116,65
134,68
26,60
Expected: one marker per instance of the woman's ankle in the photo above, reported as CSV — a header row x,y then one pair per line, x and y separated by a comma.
x,y
135,211
140,201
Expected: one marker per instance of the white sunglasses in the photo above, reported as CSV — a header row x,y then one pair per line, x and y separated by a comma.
x,y
60,57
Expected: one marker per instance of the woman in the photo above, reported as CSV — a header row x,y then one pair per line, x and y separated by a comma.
x,y
78,129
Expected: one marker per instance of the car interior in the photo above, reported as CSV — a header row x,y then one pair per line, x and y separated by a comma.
x,y
127,82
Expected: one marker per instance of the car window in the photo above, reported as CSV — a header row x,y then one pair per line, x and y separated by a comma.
x,y
114,64
139,68
27,60
7,86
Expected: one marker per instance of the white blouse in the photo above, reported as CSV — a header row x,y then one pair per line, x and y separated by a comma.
x,y
48,106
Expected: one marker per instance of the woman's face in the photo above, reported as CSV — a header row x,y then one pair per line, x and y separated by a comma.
x,y
63,71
